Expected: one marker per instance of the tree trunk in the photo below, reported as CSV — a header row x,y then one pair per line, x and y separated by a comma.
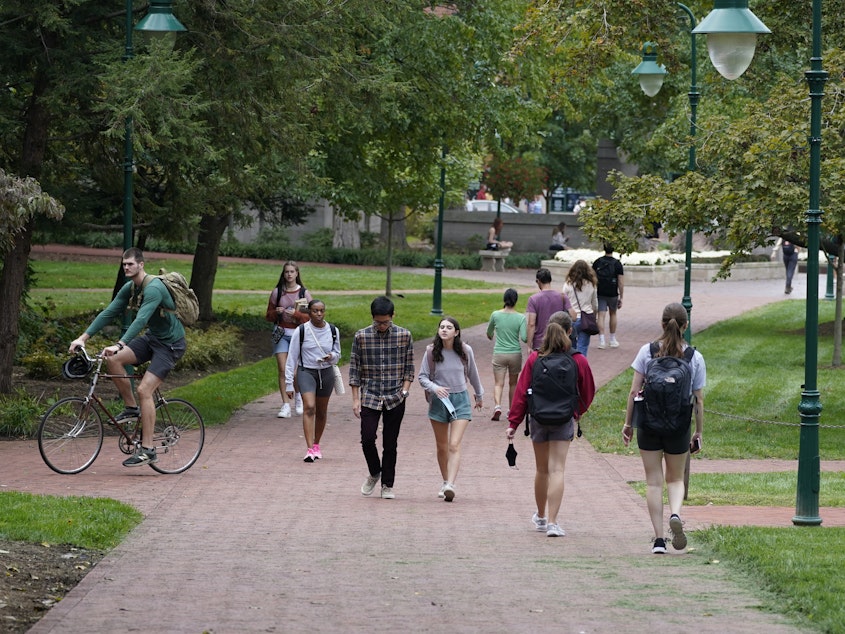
x,y
345,233
13,276
211,230
11,290
395,233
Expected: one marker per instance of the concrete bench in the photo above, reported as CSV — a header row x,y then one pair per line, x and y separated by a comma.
x,y
493,260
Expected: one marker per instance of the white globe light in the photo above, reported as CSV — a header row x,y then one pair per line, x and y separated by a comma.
x,y
731,53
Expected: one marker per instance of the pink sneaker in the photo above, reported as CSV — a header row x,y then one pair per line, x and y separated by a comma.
x,y
315,451
309,456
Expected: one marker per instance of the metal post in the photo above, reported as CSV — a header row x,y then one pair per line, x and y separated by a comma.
x,y
437,299
807,496
694,97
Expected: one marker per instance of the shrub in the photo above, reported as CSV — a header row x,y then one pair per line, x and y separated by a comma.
x,y
20,414
42,364
218,345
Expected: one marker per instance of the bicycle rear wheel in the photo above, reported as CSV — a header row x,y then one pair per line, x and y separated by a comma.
x,y
179,435
70,435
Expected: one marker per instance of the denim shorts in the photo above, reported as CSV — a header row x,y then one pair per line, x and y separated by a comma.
x,y
283,345
460,401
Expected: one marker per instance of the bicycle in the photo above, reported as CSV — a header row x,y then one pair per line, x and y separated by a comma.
x,y
70,435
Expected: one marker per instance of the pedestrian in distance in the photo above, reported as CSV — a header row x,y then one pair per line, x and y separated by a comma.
x,y
381,370
163,344
447,366
790,262
287,309
541,305
509,328
569,397
580,290
314,349
670,447
611,285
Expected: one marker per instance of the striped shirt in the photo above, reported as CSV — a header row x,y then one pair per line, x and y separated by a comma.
x,y
379,365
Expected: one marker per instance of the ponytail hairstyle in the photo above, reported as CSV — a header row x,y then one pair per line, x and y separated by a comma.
x,y
674,324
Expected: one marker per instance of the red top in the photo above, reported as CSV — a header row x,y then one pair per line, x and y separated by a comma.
x,y
586,389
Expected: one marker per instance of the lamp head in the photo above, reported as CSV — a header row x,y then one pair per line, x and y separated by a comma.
x,y
651,74
731,30
160,22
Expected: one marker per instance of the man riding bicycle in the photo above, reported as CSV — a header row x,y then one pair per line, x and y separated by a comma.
x,y
163,344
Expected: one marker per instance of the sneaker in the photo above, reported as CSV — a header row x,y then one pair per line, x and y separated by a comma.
x,y
387,493
315,451
309,456
442,492
614,343
369,484
679,540
497,413
540,523
659,546
297,404
141,457
553,530
448,492
128,413
284,412
602,344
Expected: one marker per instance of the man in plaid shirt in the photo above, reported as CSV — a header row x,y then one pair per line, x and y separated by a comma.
x,y
381,370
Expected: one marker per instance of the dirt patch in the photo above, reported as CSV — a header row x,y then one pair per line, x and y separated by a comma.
x,y
33,577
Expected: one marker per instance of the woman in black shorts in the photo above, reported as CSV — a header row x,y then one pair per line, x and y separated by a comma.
x,y
672,449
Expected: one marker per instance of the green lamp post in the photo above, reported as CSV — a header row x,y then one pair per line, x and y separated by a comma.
x,y
159,20
731,41
809,409
437,295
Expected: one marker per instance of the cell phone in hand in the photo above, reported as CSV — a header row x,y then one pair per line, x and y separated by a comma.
x,y
695,445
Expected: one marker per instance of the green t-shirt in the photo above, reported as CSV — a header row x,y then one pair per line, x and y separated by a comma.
x,y
510,328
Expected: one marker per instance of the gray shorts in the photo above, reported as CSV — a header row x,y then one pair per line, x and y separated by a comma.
x,y
162,357
313,380
611,303
545,433
460,401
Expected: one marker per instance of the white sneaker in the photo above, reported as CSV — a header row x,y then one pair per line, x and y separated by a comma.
x,y
298,404
448,492
555,531
614,343
284,412
387,493
442,492
602,344
540,523
369,484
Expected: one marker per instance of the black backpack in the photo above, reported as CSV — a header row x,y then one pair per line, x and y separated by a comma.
x,y
605,269
667,390
553,395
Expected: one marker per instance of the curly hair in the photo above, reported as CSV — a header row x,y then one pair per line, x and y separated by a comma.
x,y
580,272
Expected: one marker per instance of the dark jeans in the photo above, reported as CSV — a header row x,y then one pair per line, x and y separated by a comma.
x,y
391,421
790,262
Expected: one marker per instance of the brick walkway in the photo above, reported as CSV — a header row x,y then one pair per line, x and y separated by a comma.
x,y
252,539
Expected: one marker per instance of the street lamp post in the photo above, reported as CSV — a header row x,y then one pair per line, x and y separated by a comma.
x,y
437,296
159,19
810,407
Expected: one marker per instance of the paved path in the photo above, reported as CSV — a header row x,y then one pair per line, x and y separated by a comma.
x,y
252,539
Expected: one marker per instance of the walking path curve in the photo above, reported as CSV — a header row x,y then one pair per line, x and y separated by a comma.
x,y
252,539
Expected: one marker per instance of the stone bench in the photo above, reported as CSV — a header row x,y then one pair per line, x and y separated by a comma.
x,y
493,260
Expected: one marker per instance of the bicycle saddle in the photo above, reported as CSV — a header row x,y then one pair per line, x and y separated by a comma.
x,y
77,367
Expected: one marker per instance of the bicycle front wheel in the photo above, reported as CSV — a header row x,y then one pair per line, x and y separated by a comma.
x,y
179,435
70,435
